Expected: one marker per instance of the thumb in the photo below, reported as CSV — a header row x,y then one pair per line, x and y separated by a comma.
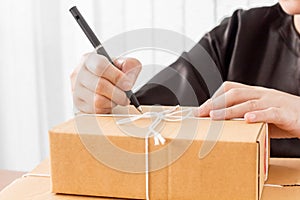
x,y
130,66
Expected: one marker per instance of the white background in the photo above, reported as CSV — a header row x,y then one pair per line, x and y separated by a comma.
x,y
40,44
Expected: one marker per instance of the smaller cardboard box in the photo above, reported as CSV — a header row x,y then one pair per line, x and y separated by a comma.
x,y
284,180
201,159
283,184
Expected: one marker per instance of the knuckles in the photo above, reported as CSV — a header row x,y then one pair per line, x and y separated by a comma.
x,y
274,113
227,85
131,65
101,102
133,62
117,78
81,81
253,105
233,93
96,63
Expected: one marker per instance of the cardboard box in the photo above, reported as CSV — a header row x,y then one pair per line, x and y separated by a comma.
x,y
284,180
36,188
283,172
94,156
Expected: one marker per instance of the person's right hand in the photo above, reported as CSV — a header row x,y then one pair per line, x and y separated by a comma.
x,y
98,86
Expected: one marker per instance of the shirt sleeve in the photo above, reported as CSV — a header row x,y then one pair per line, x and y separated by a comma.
x,y
196,74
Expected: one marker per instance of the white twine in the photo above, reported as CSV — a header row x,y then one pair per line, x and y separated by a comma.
x,y
273,185
35,175
166,115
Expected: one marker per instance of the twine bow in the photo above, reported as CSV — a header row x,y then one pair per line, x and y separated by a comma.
x,y
166,115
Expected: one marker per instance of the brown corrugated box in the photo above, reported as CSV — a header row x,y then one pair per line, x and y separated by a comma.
x,y
82,164
284,184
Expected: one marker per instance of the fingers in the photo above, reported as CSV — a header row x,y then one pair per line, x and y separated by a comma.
x,y
255,104
101,67
232,100
130,66
74,74
269,115
237,110
100,86
228,85
231,97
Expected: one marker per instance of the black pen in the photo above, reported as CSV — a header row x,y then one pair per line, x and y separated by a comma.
x,y
100,50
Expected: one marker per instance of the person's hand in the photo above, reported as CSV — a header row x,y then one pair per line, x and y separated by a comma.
x,y
255,104
98,86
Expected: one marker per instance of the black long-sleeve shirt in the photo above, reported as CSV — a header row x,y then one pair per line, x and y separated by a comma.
x,y
258,47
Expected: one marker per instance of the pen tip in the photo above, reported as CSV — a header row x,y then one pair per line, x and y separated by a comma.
x,y
140,109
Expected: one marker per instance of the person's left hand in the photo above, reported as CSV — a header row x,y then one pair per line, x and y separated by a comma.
x,y
255,104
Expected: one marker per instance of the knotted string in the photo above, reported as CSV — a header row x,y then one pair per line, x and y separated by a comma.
x,y
166,115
